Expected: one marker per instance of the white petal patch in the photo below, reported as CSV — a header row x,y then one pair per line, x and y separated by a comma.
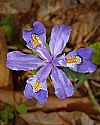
x,y
72,61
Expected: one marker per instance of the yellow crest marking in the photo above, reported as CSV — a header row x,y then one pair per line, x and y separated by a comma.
x,y
35,40
73,60
37,86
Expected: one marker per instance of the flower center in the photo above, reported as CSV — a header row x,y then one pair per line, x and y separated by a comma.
x,y
37,86
73,60
36,41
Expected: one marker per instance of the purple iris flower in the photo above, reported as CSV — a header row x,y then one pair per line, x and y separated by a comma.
x,y
49,61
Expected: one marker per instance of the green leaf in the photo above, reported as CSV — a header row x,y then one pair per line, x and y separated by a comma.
x,y
34,53
7,25
81,81
22,108
34,72
7,113
96,55
75,76
47,46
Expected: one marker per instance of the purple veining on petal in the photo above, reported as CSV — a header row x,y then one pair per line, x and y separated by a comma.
x,y
48,62
85,53
39,30
63,86
20,61
59,37
44,72
41,95
86,65
44,53
28,92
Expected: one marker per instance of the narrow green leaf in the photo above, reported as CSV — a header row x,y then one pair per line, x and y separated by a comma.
x,y
75,76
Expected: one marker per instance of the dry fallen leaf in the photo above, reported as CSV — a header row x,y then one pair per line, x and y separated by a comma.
x,y
82,104
4,72
84,29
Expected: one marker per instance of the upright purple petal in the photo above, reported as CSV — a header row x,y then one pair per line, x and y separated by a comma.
x,y
20,61
63,86
63,62
44,72
38,33
44,53
59,37
38,89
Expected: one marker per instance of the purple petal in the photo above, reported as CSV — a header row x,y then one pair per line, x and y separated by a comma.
x,y
27,35
61,60
86,66
44,54
63,86
41,95
39,30
20,61
28,92
59,37
44,72
85,52
71,65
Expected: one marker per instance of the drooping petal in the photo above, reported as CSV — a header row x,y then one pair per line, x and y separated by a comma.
x,y
28,92
63,86
36,36
85,64
38,89
86,67
17,60
39,29
59,37
86,53
27,35
44,54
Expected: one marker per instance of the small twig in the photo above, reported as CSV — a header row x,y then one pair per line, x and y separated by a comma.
x,y
65,121
95,83
23,50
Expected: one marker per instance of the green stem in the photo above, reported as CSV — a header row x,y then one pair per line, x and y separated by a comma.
x,y
92,97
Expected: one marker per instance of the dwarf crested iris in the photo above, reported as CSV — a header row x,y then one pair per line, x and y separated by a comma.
x,y
49,61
